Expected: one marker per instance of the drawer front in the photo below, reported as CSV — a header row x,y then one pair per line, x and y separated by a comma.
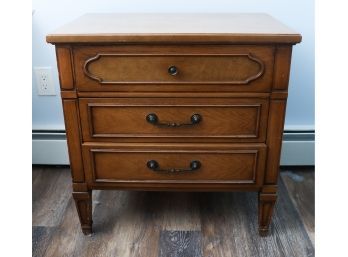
x,y
124,163
234,119
168,68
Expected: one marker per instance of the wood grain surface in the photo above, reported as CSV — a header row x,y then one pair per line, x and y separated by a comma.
x,y
180,244
300,184
154,224
51,194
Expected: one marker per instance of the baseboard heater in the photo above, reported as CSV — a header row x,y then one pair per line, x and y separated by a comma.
x,y
50,148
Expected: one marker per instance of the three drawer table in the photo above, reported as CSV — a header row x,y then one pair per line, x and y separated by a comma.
x,y
174,102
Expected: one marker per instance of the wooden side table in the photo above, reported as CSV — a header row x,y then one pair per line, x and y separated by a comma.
x,y
174,102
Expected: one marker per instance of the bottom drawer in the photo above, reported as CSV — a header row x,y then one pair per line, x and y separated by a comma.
x,y
175,163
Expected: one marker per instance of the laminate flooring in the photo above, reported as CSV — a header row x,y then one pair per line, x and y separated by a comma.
x,y
171,224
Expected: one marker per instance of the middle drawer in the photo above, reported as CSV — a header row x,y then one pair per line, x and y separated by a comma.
x,y
174,119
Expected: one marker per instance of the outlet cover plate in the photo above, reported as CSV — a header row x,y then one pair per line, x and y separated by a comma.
x,y
44,81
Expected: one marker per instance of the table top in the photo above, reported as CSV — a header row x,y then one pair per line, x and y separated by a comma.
x,y
175,28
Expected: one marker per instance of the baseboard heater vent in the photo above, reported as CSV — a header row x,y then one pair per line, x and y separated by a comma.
x,y
49,148
298,148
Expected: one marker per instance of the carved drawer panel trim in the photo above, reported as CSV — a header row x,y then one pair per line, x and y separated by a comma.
x,y
145,68
245,68
233,119
229,165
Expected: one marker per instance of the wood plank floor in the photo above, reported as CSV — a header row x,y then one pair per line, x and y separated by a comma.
x,y
150,224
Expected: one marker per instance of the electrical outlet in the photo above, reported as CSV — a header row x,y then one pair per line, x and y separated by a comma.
x,y
44,81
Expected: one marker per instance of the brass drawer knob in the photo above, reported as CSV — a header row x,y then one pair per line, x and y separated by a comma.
x,y
153,165
172,70
153,119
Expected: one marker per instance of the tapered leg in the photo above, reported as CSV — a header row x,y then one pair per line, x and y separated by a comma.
x,y
83,202
266,206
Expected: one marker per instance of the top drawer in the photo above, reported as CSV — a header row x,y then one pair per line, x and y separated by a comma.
x,y
173,68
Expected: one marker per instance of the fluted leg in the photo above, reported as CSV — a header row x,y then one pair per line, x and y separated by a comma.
x,y
266,206
83,202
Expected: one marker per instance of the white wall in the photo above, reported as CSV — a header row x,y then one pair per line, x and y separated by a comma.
x,y
297,14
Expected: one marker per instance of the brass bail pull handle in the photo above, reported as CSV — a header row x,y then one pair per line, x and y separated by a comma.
x,y
153,165
153,119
